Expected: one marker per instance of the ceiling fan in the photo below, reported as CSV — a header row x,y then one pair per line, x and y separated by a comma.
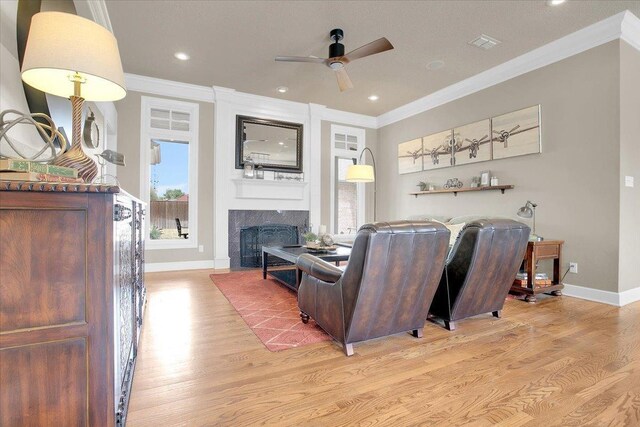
x,y
337,59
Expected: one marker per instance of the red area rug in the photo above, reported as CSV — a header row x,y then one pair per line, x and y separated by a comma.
x,y
269,309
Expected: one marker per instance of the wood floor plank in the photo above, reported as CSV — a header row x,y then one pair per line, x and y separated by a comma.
x,y
562,361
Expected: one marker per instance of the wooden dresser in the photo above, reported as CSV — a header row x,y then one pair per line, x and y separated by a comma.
x,y
71,303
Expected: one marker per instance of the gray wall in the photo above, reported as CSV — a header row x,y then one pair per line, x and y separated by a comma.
x,y
129,176
630,166
371,141
575,180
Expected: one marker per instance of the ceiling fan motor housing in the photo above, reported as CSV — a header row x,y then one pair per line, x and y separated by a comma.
x,y
336,48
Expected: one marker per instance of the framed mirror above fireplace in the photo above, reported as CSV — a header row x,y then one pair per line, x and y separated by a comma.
x,y
270,144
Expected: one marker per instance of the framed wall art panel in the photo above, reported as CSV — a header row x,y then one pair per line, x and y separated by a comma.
x,y
516,133
473,142
410,156
437,150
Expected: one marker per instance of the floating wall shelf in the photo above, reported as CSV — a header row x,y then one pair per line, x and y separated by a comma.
x,y
455,191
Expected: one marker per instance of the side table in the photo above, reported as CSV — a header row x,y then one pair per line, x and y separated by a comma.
x,y
545,249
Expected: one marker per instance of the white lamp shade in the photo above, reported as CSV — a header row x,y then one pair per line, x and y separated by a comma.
x,y
360,173
61,44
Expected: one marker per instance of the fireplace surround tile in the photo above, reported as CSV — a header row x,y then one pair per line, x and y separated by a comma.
x,y
239,219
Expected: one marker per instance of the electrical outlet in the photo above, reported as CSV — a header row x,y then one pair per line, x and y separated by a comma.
x,y
573,267
201,248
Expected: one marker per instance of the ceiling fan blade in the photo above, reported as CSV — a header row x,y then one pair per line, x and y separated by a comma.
x,y
344,82
378,46
300,59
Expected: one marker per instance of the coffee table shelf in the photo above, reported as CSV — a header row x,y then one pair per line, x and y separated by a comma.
x,y
291,254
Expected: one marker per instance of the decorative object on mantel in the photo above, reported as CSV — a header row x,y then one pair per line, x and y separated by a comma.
x,y
364,173
475,182
423,186
453,183
49,133
494,181
289,176
455,191
248,170
70,56
529,211
513,134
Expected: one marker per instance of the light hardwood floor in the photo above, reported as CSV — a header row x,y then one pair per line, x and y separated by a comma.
x,y
560,362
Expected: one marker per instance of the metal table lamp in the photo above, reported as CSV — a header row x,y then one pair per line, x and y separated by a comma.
x,y
74,58
529,211
364,173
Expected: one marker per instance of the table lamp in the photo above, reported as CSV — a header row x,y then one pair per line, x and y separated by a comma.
x,y
529,211
73,57
364,173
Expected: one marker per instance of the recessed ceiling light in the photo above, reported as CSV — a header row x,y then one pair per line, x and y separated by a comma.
x,y
373,98
435,65
554,2
281,143
181,56
282,89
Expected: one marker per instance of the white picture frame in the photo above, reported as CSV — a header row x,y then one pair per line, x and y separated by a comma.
x,y
485,178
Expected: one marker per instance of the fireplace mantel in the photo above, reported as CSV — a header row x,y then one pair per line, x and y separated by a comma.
x,y
266,189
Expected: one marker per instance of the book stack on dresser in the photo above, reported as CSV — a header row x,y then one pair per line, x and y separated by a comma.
x,y
26,170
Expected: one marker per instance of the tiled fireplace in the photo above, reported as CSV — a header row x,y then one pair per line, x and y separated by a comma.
x,y
239,219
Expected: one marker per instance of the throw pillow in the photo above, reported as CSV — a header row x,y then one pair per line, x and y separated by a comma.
x,y
455,230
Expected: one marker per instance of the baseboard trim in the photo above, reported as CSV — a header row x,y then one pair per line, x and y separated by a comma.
x,y
183,265
632,295
604,297
222,263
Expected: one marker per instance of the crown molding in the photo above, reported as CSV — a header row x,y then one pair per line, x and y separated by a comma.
x,y
352,119
623,24
100,13
631,29
266,103
168,88
95,10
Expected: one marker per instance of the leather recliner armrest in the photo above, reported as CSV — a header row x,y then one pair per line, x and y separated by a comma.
x,y
318,268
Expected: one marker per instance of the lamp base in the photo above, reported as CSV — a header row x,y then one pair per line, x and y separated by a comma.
x,y
76,157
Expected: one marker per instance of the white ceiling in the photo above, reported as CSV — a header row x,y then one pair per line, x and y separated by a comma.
x,y
233,43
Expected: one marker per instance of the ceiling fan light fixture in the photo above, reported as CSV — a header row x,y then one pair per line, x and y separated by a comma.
x,y
336,65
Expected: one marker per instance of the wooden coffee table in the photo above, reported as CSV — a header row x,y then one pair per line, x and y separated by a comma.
x,y
287,273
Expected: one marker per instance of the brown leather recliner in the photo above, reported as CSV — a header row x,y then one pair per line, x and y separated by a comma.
x,y
386,288
480,270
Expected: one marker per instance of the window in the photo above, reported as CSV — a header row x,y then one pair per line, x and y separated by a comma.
x,y
347,198
169,172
